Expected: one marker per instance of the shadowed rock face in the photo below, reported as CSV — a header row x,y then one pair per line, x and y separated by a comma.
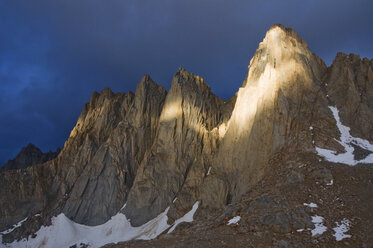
x,y
349,85
149,148
28,156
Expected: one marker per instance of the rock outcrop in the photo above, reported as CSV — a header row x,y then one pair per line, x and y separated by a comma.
x,y
154,149
28,156
348,84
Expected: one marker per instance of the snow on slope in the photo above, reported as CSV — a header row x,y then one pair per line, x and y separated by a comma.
x,y
310,205
319,225
346,140
64,232
14,227
188,217
341,229
234,220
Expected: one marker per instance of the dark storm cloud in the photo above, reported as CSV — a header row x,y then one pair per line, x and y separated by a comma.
x,y
54,54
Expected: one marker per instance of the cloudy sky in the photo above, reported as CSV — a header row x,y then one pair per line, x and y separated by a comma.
x,y
54,54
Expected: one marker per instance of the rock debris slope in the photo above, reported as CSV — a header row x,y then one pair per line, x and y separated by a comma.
x,y
161,152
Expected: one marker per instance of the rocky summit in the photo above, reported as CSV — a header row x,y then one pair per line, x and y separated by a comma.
x,y
29,155
286,162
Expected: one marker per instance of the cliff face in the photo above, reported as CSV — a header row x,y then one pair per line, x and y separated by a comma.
x,y
155,149
281,98
90,179
348,84
181,154
273,110
107,145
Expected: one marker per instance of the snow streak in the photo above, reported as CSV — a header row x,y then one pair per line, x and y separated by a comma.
x,y
346,140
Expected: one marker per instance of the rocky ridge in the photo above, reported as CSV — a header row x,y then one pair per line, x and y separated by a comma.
x,y
28,156
154,149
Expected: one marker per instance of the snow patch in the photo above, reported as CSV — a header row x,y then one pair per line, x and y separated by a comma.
x,y
208,172
188,217
319,225
234,220
14,227
64,232
123,207
346,140
341,229
310,205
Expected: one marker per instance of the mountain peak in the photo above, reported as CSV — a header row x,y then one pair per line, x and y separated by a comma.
x,y
28,156
106,92
282,28
31,147
283,54
182,76
282,32
146,80
282,39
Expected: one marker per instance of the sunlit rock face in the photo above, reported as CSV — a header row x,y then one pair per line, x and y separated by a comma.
x,y
154,149
273,109
121,134
181,153
90,179
281,98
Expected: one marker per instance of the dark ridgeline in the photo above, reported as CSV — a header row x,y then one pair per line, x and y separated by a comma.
x,y
28,156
